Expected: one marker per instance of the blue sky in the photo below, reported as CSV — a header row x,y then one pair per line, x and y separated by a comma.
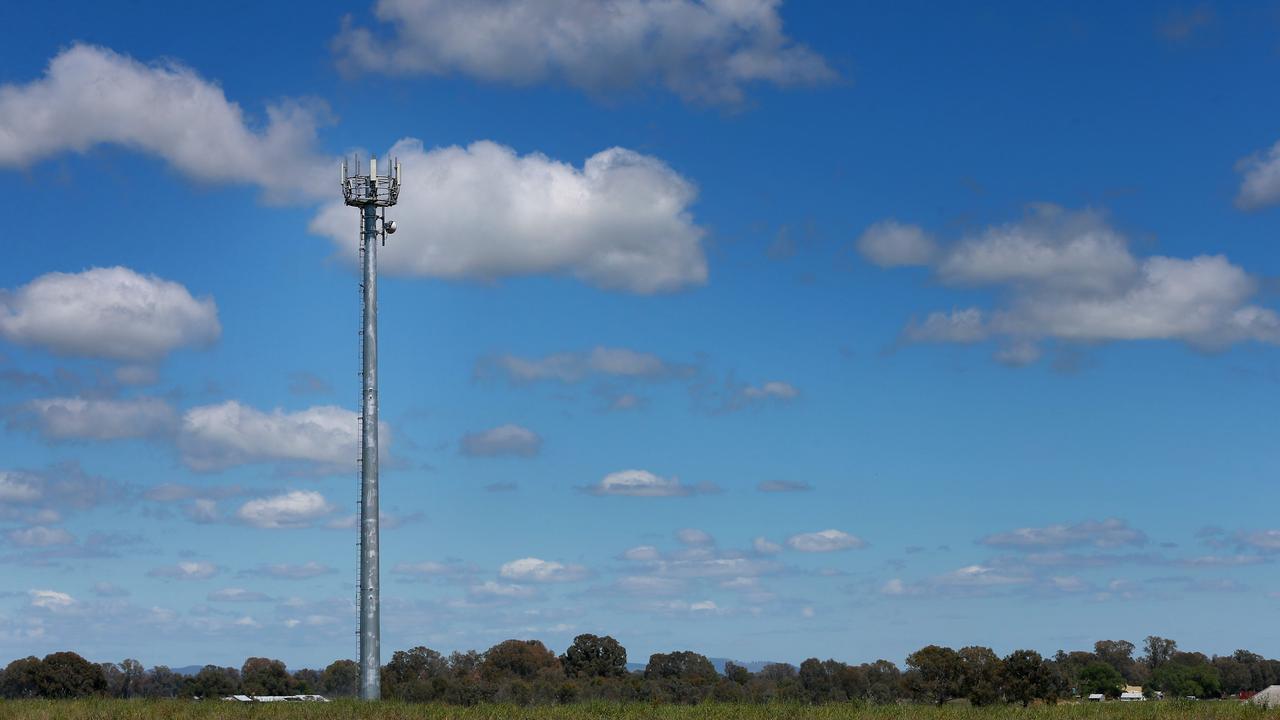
x,y
763,330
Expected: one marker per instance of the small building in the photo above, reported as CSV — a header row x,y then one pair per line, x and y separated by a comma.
x,y
1132,693
1097,697
1269,698
276,698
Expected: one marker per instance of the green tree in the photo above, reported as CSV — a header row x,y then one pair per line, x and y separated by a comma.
x,y
1199,680
21,679
815,680
264,676
212,682
737,673
594,656
980,675
934,674
518,659
161,682
1119,655
1025,677
67,675
683,665
1158,651
341,678
1099,677
413,675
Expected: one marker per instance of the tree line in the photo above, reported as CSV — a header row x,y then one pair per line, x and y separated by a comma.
x,y
595,668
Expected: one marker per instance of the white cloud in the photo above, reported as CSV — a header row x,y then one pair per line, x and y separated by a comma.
x,y
642,483
430,568
572,367
703,51
297,508
890,243
1070,276
1264,540
824,541
501,590
502,440
641,553
764,546
39,537
535,570
695,537
235,594
621,222
650,585
50,599
1261,183
213,437
113,313
16,487
90,95
957,326
186,570
286,571
773,390
77,418
1111,532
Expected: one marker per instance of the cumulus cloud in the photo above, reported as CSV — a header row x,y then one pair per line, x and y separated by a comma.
x,y
50,599
1111,532
294,509
642,483
1070,276
1260,185
703,51
542,571
621,222
641,553
764,546
694,537
39,537
492,589
572,367
113,313
502,440
186,570
90,95
46,496
78,418
213,437
1261,540
890,243
824,541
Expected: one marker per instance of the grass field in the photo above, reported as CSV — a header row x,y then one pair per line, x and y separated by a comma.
x,y
181,710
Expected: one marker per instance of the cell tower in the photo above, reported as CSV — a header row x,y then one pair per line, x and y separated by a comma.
x,y
372,193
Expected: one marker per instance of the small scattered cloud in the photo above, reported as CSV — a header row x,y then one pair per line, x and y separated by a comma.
x,y
1183,25
293,509
287,571
510,591
824,541
889,243
573,367
61,419
783,486
504,440
642,483
694,537
235,594
215,437
305,383
39,537
1111,532
186,570
541,571
764,546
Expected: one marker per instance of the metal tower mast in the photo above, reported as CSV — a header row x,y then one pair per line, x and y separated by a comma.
x,y
371,193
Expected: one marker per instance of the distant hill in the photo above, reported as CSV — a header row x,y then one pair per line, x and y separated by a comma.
x,y
187,669
754,666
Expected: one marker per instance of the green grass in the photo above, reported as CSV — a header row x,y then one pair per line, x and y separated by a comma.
x,y
216,710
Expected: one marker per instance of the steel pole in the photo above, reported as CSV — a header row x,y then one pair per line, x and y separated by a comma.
x,y
370,657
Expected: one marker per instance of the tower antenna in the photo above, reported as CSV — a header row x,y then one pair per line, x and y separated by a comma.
x,y
372,193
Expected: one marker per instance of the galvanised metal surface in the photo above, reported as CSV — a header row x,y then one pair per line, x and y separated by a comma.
x,y
369,193
370,655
